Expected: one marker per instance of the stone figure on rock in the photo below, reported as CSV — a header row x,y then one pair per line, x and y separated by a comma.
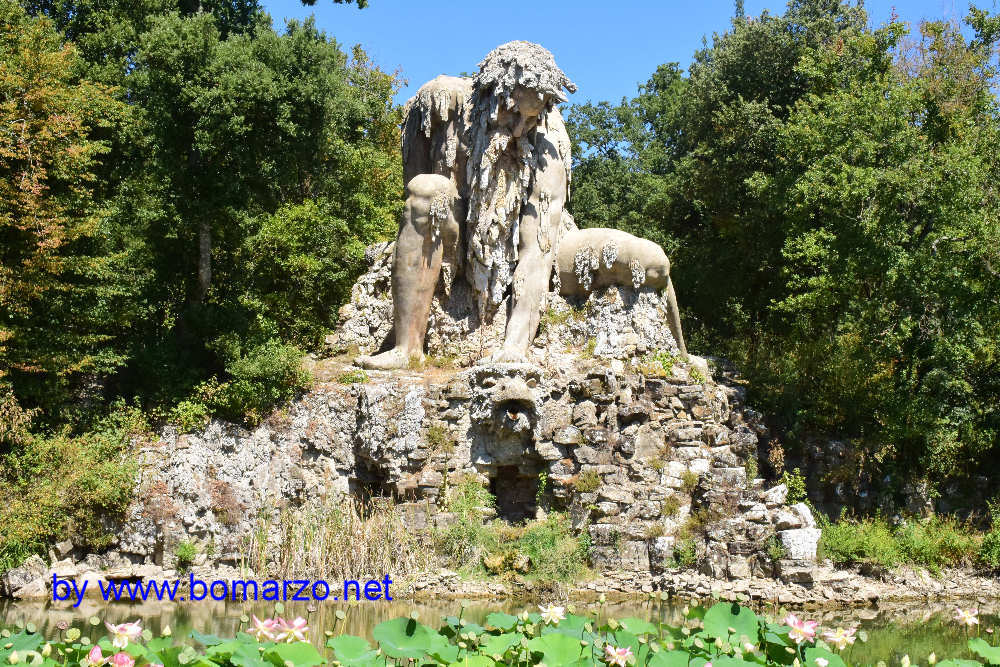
x,y
486,162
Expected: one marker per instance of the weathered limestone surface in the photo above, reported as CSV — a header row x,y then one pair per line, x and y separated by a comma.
x,y
643,452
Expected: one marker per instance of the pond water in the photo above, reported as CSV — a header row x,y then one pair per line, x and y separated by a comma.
x,y
915,630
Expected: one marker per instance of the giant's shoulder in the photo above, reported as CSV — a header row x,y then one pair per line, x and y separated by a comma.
x,y
553,129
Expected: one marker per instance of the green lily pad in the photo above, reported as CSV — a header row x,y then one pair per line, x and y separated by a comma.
x,y
833,659
638,626
989,653
556,649
727,618
669,659
498,644
501,621
351,650
300,654
474,661
403,638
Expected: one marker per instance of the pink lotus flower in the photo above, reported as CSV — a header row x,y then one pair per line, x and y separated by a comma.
x,y
801,630
265,630
968,618
296,631
123,633
840,637
122,659
95,657
617,656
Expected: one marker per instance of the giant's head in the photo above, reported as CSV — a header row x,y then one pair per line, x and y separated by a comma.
x,y
520,79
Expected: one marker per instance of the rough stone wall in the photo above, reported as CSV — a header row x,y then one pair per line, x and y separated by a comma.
x,y
632,452
646,454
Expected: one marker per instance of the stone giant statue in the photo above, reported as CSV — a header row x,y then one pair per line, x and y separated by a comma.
x,y
486,162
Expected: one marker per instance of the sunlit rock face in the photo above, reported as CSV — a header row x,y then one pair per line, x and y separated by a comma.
x,y
632,443
644,452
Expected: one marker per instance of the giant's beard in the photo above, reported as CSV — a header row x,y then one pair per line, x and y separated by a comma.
x,y
501,171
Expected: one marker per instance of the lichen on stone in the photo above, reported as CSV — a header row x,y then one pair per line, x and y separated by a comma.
x,y
584,265
439,212
609,253
638,273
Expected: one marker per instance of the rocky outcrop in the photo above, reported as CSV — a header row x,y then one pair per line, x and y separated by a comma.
x,y
645,452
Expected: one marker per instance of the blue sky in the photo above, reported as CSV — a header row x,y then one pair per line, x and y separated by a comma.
x,y
607,47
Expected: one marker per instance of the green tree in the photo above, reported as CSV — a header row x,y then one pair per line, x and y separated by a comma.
x,y
60,289
824,191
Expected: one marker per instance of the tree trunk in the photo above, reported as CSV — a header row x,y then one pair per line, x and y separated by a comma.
x,y
204,258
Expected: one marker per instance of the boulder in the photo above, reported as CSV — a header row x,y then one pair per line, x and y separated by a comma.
x,y
786,519
796,571
36,589
800,543
805,515
776,496
18,577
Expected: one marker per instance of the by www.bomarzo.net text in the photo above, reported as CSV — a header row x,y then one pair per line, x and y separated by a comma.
x,y
275,590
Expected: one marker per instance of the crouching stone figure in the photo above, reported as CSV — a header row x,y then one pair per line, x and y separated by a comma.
x,y
486,161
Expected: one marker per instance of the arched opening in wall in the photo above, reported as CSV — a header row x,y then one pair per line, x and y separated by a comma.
x,y
515,491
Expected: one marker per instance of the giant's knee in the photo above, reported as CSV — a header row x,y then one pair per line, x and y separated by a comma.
x,y
652,257
431,200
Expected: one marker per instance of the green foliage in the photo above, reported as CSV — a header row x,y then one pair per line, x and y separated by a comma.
x,y
670,506
796,485
439,438
470,499
64,486
933,543
989,550
556,553
261,377
189,416
685,553
867,540
689,481
553,552
552,318
185,553
775,549
587,481
543,487
751,467
825,192
197,221
660,364
355,376
63,290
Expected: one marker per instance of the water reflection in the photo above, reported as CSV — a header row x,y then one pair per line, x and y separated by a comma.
x,y
916,630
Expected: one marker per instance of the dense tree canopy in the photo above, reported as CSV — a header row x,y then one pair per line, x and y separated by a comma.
x,y
827,192
190,190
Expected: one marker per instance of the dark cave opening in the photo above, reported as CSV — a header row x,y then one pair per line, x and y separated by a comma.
x,y
515,493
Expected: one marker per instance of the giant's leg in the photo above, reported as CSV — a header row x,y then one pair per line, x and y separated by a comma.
x,y
427,220
531,283
674,318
